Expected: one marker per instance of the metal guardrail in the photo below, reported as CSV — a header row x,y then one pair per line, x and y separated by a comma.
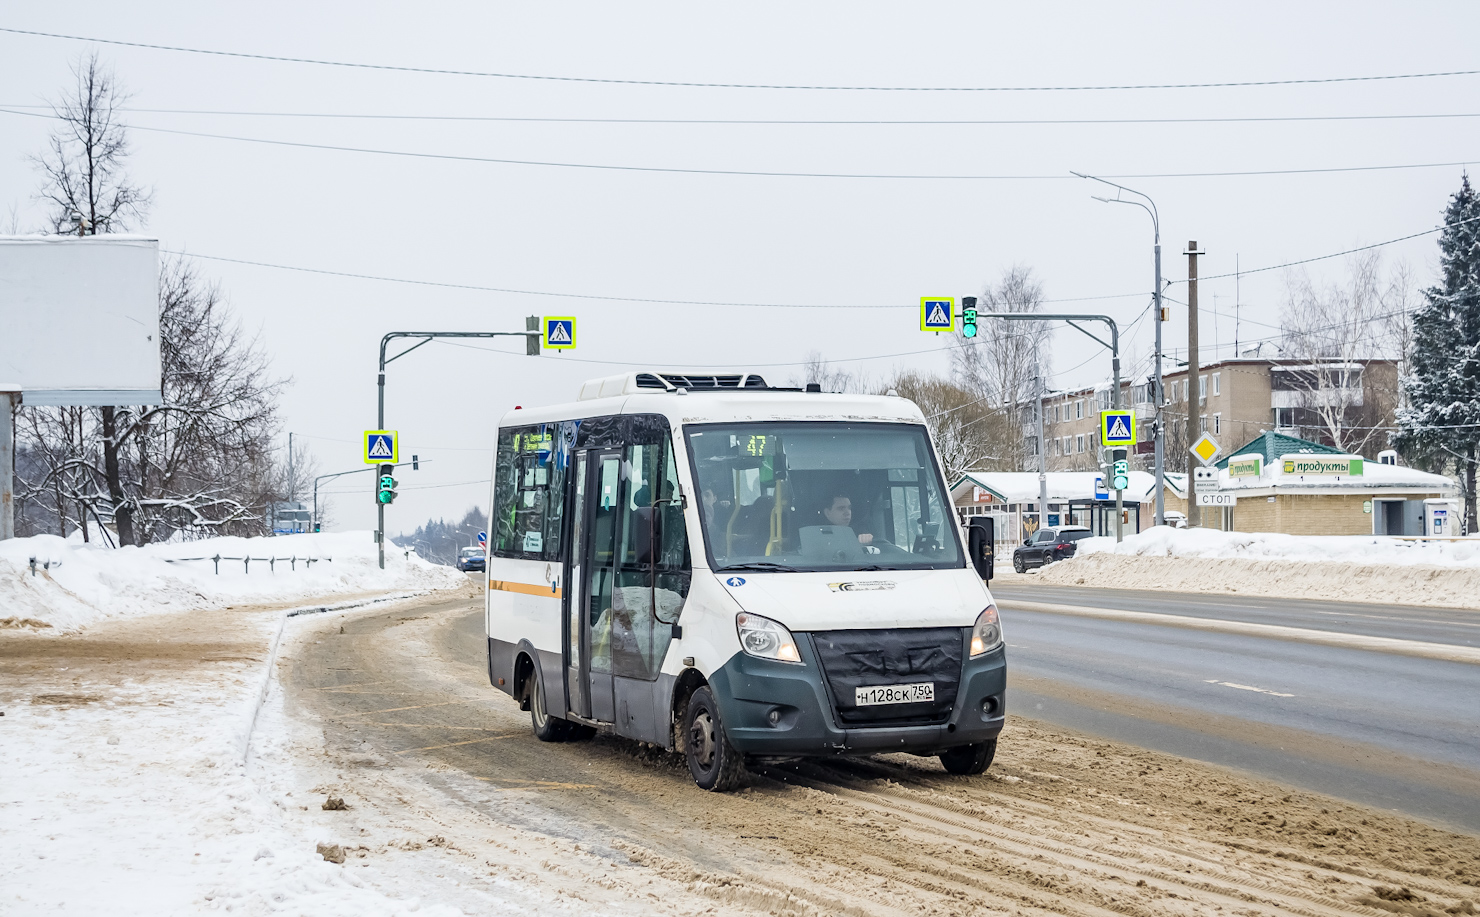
x,y
292,560
45,565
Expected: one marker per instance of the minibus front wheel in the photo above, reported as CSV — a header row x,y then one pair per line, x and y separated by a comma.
x,y
713,762
549,728
969,759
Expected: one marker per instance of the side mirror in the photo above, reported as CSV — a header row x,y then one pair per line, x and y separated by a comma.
x,y
977,547
1027,541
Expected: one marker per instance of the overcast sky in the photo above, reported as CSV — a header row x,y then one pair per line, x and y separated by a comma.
x,y
859,243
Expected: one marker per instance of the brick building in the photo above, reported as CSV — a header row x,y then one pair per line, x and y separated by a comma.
x,y
1237,400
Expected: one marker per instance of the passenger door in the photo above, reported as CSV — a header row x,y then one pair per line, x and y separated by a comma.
x,y
603,502
577,642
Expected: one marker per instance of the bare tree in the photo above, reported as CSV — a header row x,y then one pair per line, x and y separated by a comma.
x,y
832,378
203,462
85,184
967,430
1003,364
1332,333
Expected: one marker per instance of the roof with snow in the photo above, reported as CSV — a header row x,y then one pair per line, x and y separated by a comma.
x,y
1063,486
1272,445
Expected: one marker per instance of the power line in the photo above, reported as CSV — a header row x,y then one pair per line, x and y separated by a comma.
x,y
674,302
1350,251
691,84
455,157
379,116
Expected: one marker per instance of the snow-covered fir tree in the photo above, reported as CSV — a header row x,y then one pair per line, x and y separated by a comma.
x,y
1441,426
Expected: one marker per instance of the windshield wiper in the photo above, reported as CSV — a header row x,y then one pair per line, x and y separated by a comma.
x,y
759,565
874,568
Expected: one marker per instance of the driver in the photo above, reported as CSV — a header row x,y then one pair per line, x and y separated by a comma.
x,y
840,512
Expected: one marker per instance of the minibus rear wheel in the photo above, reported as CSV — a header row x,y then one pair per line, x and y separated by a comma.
x,y
713,762
969,759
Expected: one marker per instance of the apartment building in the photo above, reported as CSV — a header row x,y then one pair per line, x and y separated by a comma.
x,y
1237,400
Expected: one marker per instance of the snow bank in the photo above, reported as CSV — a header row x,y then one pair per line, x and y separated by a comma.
x,y
1164,541
1354,568
73,585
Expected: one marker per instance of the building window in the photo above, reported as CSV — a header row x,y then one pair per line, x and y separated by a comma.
x,y
1079,410
1202,389
1058,447
1079,443
1217,421
1202,423
1067,447
1217,383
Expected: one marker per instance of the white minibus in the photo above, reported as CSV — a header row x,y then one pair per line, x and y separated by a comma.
x,y
738,572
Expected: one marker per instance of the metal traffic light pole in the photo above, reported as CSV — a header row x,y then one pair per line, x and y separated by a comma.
x,y
531,335
1114,346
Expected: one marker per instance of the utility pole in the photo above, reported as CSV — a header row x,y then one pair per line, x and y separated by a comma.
x,y
1042,456
1194,378
10,397
292,481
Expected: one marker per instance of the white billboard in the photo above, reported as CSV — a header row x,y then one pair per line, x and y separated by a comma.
x,y
79,319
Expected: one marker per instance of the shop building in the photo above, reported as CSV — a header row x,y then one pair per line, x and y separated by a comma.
x,y
1283,484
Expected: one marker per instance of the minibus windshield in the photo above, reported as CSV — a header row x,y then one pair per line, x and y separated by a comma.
x,y
780,497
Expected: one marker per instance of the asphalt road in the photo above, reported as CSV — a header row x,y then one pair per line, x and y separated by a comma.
x,y
1395,731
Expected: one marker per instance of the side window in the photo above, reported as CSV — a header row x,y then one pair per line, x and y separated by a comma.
x,y
530,476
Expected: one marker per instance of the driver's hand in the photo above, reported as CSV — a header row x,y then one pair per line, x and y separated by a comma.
x,y
865,539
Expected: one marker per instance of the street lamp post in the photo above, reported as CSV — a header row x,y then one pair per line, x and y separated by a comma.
x,y
1158,433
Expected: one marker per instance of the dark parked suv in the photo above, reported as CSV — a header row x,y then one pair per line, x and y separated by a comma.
x,y
470,558
1048,545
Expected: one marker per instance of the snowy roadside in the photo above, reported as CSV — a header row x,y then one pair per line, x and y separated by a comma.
x,y
54,585
149,766
1357,568
125,785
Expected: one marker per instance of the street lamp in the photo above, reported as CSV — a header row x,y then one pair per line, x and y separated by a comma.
x,y
1157,426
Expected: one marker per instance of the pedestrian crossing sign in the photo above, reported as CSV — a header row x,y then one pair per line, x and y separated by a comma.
x,y
381,447
560,332
1117,428
937,313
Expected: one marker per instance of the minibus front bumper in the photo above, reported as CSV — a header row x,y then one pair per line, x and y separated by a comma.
x,y
778,709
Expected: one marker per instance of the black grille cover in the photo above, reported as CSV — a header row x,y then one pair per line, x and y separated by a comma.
x,y
901,656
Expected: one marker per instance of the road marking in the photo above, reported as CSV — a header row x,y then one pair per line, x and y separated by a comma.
x,y
1442,651
394,709
362,684
507,735
431,726
1230,684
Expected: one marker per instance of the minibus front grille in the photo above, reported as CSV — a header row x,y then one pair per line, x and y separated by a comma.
x,y
853,659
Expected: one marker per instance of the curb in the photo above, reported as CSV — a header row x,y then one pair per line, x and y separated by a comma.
x,y
271,665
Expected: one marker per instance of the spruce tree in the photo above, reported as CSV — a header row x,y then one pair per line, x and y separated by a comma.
x,y
1441,426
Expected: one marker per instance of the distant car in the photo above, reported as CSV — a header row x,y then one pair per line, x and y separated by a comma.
x,y
1049,545
471,558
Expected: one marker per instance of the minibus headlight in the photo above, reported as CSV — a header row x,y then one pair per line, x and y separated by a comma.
x,y
765,638
986,634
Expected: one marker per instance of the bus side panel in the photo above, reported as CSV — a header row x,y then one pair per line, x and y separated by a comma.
x,y
643,709
524,606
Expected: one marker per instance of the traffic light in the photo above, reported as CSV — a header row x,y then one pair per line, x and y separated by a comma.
x,y
387,491
968,316
1121,469
317,528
